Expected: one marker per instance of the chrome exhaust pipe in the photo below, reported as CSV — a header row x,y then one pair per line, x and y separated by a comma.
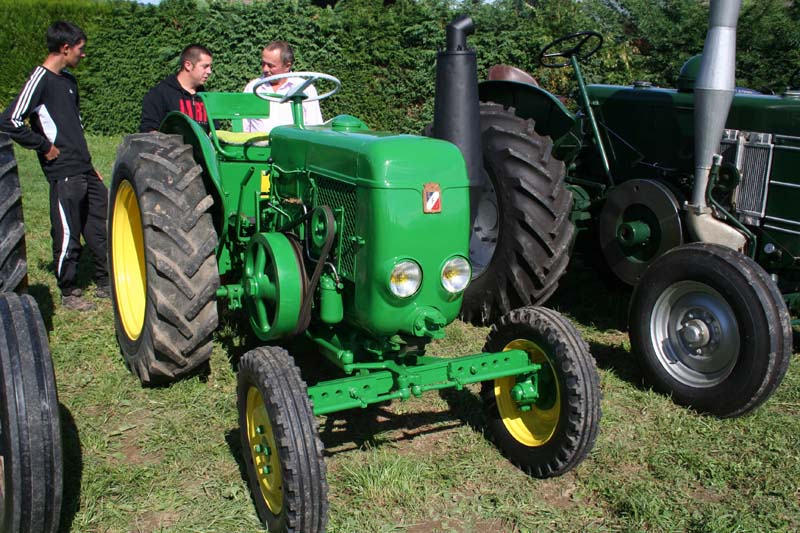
x,y
713,95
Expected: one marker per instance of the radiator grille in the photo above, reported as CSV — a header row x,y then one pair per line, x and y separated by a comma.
x,y
338,194
752,155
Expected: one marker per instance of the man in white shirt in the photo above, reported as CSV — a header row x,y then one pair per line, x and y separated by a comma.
x,y
277,58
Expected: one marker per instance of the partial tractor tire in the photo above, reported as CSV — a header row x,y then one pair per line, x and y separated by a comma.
x,y
561,427
13,261
522,236
164,273
31,470
711,329
280,443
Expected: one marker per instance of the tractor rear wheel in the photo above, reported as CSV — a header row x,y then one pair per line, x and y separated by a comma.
x,y
31,471
164,273
560,429
13,260
522,235
711,329
280,443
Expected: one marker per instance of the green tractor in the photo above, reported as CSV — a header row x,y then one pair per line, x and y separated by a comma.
x,y
689,194
356,240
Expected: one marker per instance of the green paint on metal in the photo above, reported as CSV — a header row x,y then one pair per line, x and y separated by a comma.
x,y
390,380
272,285
633,233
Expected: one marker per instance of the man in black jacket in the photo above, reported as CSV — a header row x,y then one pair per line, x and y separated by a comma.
x,y
78,198
178,92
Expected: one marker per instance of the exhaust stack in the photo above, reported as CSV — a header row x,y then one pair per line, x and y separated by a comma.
x,y
456,109
713,92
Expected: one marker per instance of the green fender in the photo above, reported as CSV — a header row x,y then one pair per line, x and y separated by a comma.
x,y
205,155
530,102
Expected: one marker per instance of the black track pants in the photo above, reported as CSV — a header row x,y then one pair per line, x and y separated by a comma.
x,y
78,205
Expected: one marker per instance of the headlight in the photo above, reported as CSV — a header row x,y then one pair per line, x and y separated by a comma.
x,y
405,279
456,275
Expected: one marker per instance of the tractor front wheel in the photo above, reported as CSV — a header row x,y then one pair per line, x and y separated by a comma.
x,y
164,273
711,329
555,434
31,471
280,444
522,235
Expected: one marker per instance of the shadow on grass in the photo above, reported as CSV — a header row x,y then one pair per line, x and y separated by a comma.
x,y
376,425
234,443
235,334
589,296
593,297
73,469
621,362
44,299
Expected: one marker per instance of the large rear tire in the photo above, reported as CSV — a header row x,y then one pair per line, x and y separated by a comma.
x,y
711,329
522,236
31,470
164,273
560,429
280,443
13,259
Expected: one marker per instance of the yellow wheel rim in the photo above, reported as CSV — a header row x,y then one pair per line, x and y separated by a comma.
x,y
264,451
537,426
127,260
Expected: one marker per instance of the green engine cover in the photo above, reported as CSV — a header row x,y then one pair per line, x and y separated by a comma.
x,y
379,185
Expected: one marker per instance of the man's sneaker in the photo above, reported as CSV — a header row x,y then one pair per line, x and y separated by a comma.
x,y
102,291
76,303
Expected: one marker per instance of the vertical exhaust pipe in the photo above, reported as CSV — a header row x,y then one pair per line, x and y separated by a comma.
x,y
456,109
713,95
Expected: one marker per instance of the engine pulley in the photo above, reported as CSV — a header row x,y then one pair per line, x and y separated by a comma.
x,y
639,222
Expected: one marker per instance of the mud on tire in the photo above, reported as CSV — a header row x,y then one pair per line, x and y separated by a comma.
x,y
522,238
13,261
163,268
31,470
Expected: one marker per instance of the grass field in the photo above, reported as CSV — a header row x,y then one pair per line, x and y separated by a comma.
x,y
169,459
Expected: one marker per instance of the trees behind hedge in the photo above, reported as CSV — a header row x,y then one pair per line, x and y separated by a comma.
x,y
383,52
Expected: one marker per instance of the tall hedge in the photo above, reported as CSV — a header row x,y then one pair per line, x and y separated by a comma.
x,y
384,52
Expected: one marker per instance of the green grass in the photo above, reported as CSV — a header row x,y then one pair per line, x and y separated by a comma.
x,y
169,459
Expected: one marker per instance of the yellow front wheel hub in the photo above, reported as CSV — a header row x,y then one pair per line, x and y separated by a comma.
x,y
264,451
127,260
537,426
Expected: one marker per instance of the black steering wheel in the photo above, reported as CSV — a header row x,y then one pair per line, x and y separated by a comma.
x,y
307,77
576,43
794,80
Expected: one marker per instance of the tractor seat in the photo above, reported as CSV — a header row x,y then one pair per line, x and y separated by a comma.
x,y
243,138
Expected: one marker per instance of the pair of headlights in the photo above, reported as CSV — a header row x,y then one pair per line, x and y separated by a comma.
x,y
406,277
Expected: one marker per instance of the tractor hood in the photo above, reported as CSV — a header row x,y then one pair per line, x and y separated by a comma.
x,y
400,198
345,149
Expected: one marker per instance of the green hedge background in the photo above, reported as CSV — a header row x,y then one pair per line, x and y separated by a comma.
x,y
383,51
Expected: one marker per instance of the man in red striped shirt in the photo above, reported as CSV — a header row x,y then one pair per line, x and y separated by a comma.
x,y
178,92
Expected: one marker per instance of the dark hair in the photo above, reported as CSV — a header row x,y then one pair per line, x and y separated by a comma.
x,y
192,54
62,32
287,54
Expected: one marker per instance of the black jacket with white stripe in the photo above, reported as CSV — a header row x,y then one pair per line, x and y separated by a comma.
x,y
51,104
